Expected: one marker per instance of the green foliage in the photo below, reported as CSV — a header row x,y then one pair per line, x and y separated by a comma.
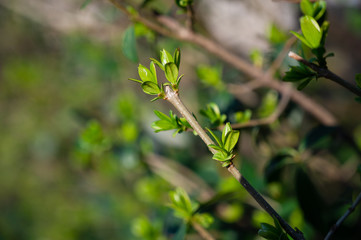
x,y
129,44
186,209
270,232
312,32
300,74
275,167
268,104
243,116
213,114
184,3
358,80
276,35
145,229
210,76
316,10
226,145
169,123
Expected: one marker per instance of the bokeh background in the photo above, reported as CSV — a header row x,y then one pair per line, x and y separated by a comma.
x,y
79,160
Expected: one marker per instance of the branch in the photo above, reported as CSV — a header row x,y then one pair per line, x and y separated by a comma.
x,y
347,213
271,118
202,231
324,72
174,30
174,99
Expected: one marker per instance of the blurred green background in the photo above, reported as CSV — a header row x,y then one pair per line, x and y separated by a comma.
x,y
79,160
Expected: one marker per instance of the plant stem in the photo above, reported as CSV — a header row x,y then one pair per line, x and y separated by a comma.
x,y
202,232
174,99
347,213
324,72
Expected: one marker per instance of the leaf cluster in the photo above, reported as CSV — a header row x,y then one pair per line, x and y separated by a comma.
x,y
225,145
148,77
170,122
186,209
213,114
270,232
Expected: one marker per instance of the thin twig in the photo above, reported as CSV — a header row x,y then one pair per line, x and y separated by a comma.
x,y
324,72
271,118
347,213
190,17
174,99
202,231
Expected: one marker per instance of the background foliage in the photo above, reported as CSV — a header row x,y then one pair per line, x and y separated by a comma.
x,y
78,154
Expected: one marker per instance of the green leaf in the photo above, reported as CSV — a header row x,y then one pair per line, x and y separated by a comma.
x,y
135,80
177,57
171,72
180,199
162,115
220,156
268,231
304,84
276,165
165,57
129,45
150,88
306,7
158,63
162,125
311,31
298,73
181,233
145,74
358,80
319,9
85,3
215,147
300,37
231,140
215,137
153,71
227,128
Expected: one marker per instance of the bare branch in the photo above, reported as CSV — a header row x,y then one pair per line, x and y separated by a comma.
x,y
340,221
324,72
202,231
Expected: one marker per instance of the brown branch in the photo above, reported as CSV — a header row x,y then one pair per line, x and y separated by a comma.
x,y
340,221
202,231
270,119
324,72
175,30
253,72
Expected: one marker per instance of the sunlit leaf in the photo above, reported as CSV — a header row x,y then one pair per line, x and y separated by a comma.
x,y
171,72
177,57
227,128
231,140
150,88
165,57
306,7
311,31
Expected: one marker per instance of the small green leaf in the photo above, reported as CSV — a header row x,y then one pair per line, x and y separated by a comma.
x,y
215,147
129,45
162,115
319,9
177,57
215,137
269,232
227,128
171,72
145,74
304,84
311,31
165,57
358,80
300,37
150,88
135,80
221,156
162,125
158,63
231,140
153,71
306,7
